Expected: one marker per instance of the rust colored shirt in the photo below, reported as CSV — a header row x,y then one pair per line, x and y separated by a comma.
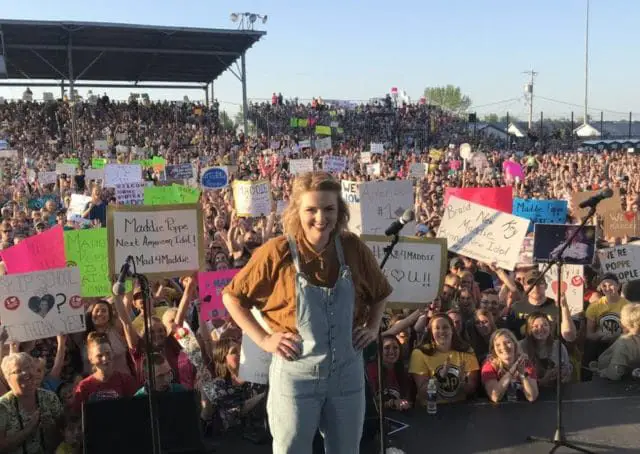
x,y
268,282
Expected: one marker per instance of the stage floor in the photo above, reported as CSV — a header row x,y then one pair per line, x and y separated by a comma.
x,y
605,417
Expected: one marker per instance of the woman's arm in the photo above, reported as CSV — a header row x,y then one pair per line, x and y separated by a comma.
x,y
592,330
421,382
185,301
58,362
496,388
403,324
529,387
471,382
363,336
130,334
10,442
568,328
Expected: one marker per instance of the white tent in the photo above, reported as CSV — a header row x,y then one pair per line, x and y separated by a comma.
x,y
514,130
586,130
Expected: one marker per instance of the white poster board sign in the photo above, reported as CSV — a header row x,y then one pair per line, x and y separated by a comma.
x,y
8,154
417,170
42,304
483,233
164,240
47,177
67,169
415,270
121,136
121,173
374,169
323,144
100,145
130,193
382,202
334,164
254,361
252,198
298,166
377,148
623,261
77,206
351,195
365,157
572,285
94,174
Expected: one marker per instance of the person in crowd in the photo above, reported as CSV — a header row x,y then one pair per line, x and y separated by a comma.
x,y
478,332
624,354
445,356
163,375
397,391
105,382
29,416
97,209
286,279
541,347
603,317
507,368
102,319
72,439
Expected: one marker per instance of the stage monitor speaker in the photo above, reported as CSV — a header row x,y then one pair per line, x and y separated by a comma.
x,y
3,68
122,426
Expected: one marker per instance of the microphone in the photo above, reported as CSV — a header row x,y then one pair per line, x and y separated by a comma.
x,y
397,225
118,288
596,199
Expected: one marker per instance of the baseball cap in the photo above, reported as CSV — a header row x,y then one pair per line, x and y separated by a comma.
x,y
456,262
531,276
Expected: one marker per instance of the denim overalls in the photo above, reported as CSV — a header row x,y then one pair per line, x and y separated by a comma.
x,y
324,388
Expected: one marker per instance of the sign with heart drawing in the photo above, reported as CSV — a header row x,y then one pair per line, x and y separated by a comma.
x,y
572,285
41,304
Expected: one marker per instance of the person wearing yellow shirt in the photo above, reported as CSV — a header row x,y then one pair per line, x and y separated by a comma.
x,y
603,317
449,359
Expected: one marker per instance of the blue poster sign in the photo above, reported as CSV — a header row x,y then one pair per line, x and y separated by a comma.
x,y
541,211
214,178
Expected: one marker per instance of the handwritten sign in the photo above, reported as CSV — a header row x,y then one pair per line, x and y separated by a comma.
x,y
365,157
541,211
87,250
351,195
130,193
618,224
8,154
214,178
186,194
121,173
252,198
377,148
298,166
500,199
179,171
100,145
323,144
94,174
41,304
572,285
47,177
164,240
483,233
334,164
382,202
254,362
417,170
99,163
77,206
415,270
65,169
210,285
374,169
37,253
623,261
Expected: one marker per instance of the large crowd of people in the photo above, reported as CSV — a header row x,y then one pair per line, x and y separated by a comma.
x,y
489,334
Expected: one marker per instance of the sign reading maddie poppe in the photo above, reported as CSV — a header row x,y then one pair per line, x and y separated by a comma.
x,y
41,304
164,240
415,269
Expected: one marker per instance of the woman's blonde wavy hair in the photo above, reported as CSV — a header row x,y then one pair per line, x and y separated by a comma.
x,y
313,181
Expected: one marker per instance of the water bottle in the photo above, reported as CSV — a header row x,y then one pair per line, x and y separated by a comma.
x,y
432,396
512,392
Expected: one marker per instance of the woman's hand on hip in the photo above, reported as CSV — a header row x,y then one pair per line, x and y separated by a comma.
x,y
286,345
363,336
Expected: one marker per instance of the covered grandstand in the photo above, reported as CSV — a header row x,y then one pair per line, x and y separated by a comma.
x,y
106,55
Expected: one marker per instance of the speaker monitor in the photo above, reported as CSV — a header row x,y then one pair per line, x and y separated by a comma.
x,y
123,426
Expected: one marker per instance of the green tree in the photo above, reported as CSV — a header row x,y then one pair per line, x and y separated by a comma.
x,y
226,123
239,123
491,118
449,97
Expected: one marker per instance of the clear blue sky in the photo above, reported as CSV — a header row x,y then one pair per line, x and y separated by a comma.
x,y
352,49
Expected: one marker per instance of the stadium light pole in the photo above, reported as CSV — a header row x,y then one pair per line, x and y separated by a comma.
x,y
245,21
586,67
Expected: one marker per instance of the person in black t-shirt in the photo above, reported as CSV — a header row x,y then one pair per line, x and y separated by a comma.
x,y
484,279
537,301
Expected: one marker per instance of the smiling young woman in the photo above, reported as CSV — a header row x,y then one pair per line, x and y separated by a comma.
x,y
322,294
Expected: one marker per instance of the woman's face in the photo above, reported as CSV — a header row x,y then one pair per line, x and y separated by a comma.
x,y
318,216
483,325
456,318
21,378
100,314
609,287
233,357
490,303
466,281
158,334
390,351
100,356
466,301
441,330
540,329
505,349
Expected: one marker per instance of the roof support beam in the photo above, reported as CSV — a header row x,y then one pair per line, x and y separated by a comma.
x,y
82,73
48,63
101,85
137,50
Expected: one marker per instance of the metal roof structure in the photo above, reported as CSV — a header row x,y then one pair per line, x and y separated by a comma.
x,y
85,51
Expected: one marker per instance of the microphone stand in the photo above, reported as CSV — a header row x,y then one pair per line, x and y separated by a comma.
x,y
150,369
384,442
559,438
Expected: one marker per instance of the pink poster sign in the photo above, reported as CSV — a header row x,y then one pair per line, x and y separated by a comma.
x,y
211,284
44,251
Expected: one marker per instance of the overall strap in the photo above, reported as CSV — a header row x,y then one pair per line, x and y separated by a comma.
x,y
294,252
339,250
